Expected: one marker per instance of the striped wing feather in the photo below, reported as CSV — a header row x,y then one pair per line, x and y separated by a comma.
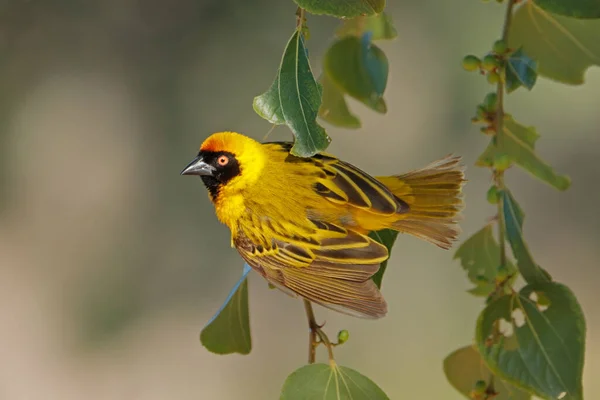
x,y
334,273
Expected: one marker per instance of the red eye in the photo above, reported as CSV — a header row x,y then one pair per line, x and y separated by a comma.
x,y
223,160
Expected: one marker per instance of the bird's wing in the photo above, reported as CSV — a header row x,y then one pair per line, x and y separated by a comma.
x,y
332,269
343,183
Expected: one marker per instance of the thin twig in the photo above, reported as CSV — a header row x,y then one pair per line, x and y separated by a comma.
x,y
312,333
499,175
315,330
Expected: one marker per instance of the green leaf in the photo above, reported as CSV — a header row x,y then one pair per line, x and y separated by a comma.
x,y
563,47
360,69
464,367
513,218
334,108
268,104
229,330
380,26
519,144
572,8
480,257
520,70
329,382
342,8
386,237
534,347
294,98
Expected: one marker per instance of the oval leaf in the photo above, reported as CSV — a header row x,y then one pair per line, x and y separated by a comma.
x,y
380,26
572,8
334,108
386,237
329,382
563,47
520,70
228,331
513,219
480,256
538,348
294,98
464,367
519,144
342,8
360,69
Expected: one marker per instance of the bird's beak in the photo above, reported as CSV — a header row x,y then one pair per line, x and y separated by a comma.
x,y
198,167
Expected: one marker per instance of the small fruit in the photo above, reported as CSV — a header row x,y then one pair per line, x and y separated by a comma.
x,y
490,101
471,63
493,78
481,112
500,47
501,273
493,195
480,387
343,336
502,162
490,63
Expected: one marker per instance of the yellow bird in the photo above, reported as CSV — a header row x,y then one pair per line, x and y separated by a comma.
x,y
302,223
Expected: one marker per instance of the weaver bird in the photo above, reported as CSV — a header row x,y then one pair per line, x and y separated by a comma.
x,y
303,223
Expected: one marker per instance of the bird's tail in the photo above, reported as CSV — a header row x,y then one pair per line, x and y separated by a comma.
x,y
434,196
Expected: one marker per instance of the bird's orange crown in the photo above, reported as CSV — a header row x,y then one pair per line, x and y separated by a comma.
x,y
249,153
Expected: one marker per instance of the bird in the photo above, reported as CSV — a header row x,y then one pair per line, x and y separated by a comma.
x,y
303,223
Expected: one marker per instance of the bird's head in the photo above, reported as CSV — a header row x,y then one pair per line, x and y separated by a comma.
x,y
227,160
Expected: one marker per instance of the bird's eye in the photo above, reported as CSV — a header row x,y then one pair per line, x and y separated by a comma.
x,y
223,160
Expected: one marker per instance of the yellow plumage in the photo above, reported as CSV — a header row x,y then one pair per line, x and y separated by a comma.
x,y
302,223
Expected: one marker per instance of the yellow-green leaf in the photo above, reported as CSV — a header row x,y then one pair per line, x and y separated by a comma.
x,y
464,367
380,26
334,108
228,331
564,47
342,8
536,348
480,256
518,144
329,382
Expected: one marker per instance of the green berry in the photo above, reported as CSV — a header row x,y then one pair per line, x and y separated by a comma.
x,y
502,162
471,63
343,336
481,112
480,387
490,63
493,196
490,101
493,78
500,47
502,273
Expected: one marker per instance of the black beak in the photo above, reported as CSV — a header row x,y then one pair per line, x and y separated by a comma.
x,y
198,167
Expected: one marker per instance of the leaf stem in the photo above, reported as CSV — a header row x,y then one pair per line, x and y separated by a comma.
x,y
299,18
315,330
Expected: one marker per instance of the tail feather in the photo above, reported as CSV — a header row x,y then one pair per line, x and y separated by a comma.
x,y
434,195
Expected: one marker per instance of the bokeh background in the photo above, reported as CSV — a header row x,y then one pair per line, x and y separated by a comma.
x,y
111,263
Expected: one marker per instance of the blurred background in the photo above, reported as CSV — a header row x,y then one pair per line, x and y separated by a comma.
x,y
111,263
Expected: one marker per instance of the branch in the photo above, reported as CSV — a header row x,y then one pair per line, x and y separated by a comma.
x,y
315,330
